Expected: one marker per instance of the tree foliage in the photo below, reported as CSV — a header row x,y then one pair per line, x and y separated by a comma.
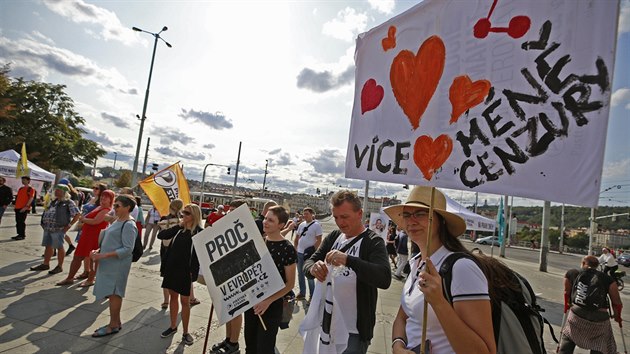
x,y
124,180
42,115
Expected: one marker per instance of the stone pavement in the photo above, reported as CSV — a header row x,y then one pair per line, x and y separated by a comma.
x,y
39,317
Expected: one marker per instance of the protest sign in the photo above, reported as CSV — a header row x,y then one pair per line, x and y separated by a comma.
x,y
236,264
379,223
505,97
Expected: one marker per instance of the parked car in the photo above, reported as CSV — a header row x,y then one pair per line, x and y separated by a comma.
x,y
624,259
488,240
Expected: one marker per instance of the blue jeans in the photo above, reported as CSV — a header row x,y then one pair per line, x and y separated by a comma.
x,y
302,278
356,345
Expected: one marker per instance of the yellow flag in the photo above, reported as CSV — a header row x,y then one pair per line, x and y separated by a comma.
x,y
165,186
22,165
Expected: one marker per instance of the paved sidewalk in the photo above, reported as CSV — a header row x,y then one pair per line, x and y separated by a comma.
x,y
39,317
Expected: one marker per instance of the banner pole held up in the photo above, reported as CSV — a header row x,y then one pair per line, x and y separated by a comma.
x,y
262,323
427,256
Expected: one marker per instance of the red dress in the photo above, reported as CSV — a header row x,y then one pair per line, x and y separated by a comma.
x,y
89,234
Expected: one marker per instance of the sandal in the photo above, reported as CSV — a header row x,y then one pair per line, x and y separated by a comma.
x,y
86,284
82,276
65,282
194,301
165,305
102,332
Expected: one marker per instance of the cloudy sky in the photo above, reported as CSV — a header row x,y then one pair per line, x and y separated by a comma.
x,y
276,75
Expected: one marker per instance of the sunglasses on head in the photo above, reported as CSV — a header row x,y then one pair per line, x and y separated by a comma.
x,y
186,213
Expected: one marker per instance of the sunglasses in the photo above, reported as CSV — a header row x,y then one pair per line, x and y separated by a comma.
x,y
418,214
186,213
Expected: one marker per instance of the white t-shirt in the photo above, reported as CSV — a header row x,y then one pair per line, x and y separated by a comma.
x,y
345,285
467,279
308,239
607,260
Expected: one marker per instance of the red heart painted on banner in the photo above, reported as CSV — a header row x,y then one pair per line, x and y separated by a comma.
x,y
415,77
465,94
389,42
429,155
371,95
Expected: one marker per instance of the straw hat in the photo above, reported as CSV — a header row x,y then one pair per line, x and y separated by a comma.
x,y
420,197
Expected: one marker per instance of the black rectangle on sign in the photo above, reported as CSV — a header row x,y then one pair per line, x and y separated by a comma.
x,y
234,262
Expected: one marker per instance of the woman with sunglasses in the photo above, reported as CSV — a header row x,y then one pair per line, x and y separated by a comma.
x,y
180,267
114,262
93,223
460,327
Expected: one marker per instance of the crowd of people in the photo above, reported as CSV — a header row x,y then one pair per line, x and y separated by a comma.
x,y
343,271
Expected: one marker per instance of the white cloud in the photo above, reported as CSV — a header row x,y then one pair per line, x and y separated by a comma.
x,y
624,17
33,59
80,12
621,97
617,169
216,120
384,6
346,25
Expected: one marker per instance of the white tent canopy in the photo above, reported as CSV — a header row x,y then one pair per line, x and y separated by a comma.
x,y
474,222
8,165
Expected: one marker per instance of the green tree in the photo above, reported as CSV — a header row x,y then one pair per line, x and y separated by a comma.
x,y
578,241
43,116
124,180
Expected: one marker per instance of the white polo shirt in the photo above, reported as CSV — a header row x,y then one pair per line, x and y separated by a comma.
x,y
467,279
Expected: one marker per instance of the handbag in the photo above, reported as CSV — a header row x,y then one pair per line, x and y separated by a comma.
x,y
288,306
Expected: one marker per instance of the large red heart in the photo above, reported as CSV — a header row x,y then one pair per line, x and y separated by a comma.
x,y
465,94
371,95
414,78
429,155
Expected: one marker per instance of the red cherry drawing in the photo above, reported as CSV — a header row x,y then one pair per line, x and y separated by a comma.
x,y
519,25
482,28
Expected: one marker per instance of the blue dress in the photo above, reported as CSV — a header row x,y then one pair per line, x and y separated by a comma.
x,y
112,273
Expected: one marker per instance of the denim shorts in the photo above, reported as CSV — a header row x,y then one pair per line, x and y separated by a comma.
x,y
53,239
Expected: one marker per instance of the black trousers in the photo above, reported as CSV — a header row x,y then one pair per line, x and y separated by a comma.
x,y
20,222
257,340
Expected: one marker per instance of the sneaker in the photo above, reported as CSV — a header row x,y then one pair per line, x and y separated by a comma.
x,y
18,238
169,332
70,250
230,348
218,346
41,267
187,339
300,297
55,270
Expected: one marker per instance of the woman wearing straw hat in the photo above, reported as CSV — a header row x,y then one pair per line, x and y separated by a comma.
x,y
458,328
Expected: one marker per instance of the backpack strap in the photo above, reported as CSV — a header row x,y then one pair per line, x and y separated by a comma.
x,y
447,274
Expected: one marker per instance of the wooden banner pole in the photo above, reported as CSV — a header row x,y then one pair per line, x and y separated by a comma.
x,y
205,342
426,257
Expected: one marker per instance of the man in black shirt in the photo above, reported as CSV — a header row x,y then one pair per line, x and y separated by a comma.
x,y
6,196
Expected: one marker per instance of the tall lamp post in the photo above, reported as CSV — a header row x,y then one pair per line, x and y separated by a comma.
x,y
146,99
265,178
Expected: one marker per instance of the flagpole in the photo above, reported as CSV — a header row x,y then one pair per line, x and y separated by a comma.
x,y
426,257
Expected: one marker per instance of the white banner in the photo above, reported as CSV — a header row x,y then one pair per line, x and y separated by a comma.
x,y
510,97
236,264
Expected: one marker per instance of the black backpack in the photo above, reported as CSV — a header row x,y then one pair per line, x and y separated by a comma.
x,y
516,319
590,290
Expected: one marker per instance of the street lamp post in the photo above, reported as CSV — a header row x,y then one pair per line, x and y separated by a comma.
x,y
146,99
592,222
115,158
265,177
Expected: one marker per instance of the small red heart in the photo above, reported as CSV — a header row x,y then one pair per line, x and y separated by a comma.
x,y
429,155
371,95
389,42
465,94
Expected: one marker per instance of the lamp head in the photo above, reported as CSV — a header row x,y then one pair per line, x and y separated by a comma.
x,y
168,44
164,28
136,29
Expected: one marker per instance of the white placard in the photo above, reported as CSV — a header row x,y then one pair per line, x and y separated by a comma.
x,y
236,264
379,223
507,99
